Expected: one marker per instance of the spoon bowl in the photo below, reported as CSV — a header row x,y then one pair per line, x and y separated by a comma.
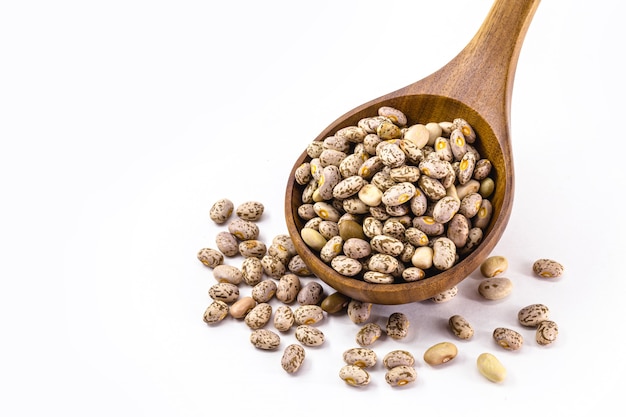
x,y
476,85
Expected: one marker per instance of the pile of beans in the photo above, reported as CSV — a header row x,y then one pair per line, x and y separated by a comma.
x,y
274,274
385,201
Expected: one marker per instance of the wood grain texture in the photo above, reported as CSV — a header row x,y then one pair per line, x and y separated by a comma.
x,y
476,85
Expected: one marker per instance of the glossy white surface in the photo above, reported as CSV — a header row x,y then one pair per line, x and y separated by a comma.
x,y
122,122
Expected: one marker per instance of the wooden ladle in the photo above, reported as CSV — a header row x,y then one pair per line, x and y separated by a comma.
x,y
476,85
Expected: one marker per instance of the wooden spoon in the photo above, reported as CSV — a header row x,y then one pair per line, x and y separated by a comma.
x,y
476,85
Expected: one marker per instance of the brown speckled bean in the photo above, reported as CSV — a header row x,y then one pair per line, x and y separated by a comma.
x,y
532,315
243,229
446,295
210,257
397,326
259,316
288,287
252,271
547,331
272,266
359,311
264,339
368,334
284,318
215,312
227,273
547,268
310,294
221,210
252,248
398,357
495,288
360,356
250,210
224,291
509,339
308,314
309,335
227,243
460,327
354,375
264,291
293,358
400,375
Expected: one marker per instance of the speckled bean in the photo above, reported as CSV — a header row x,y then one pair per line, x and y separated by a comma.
x,y
483,217
250,210
354,375
413,273
221,210
356,248
398,357
264,291
259,316
293,358
283,318
272,266
446,295
309,335
547,268
264,339
308,314
509,339
310,294
215,312
251,271
243,229
397,325
375,277
532,315
381,262
288,287
470,204
444,253
360,356
227,273
252,248
368,334
495,288
297,266
210,257
460,327
346,266
359,311
547,331
398,194
400,375
227,243
224,291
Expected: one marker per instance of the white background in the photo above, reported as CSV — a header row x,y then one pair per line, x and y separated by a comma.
x,y
121,122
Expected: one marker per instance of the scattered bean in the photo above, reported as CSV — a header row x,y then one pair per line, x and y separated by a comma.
x,y
359,311
293,358
362,357
308,314
228,273
215,312
493,265
310,294
221,210
309,335
507,338
250,210
495,288
243,229
368,334
335,302
548,268
227,243
264,291
398,357
460,327
264,339
533,314
490,367
210,257
440,353
288,288
224,291
446,295
397,326
547,331
241,307
283,318
400,375
259,316
354,375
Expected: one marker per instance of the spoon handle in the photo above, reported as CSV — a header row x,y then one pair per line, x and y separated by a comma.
x,y
482,74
